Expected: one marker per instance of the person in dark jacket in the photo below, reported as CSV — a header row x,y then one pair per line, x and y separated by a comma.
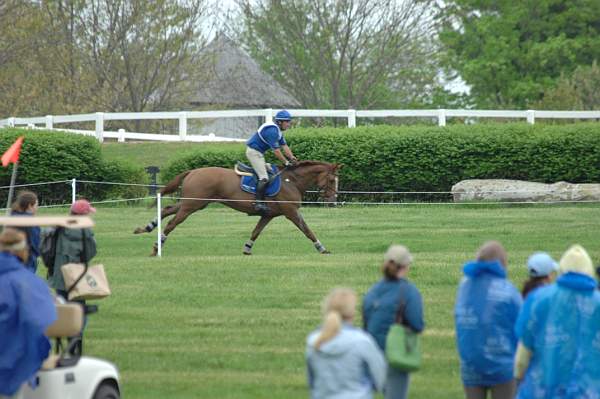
x,y
73,246
26,204
70,247
26,311
381,305
487,306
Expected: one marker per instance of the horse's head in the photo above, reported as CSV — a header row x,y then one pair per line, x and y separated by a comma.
x,y
325,175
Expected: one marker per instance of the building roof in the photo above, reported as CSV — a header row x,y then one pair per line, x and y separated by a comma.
x,y
236,80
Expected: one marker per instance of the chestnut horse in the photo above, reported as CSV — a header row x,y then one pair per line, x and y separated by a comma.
x,y
202,186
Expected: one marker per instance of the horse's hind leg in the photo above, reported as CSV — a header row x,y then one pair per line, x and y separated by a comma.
x,y
296,218
264,220
183,211
166,211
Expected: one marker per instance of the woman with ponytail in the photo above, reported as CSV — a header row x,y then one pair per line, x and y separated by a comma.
x,y
342,360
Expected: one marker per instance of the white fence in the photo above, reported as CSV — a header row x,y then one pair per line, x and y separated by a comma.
x,y
350,115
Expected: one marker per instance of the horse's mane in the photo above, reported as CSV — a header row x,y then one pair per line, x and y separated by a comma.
x,y
310,163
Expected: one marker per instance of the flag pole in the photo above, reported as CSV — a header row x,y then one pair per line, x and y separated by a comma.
x,y
11,189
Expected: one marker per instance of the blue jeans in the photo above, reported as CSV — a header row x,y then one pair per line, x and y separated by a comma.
x,y
396,385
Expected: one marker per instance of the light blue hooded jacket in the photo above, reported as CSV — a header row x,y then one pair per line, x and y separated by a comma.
x,y
487,306
560,324
349,366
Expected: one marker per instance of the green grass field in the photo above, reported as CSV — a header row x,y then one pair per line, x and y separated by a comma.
x,y
204,321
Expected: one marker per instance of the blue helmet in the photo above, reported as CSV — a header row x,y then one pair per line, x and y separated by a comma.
x,y
283,115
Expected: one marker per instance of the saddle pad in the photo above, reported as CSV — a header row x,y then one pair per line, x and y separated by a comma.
x,y
248,184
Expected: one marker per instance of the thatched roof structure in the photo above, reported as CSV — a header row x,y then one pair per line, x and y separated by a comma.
x,y
236,80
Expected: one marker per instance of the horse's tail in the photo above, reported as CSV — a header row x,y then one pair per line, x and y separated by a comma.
x,y
171,186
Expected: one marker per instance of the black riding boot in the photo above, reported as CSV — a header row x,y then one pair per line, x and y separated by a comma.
x,y
259,205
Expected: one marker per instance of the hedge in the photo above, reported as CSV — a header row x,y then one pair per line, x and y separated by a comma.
x,y
49,156
431,158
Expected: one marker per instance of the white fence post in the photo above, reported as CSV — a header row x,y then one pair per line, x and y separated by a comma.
x,y
121,138
351,118
49,122
268,115
73,190
530,116
11,121
158,226
441,117
182,125
100,126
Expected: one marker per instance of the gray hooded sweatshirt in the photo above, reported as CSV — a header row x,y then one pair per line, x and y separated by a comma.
x,y
349,366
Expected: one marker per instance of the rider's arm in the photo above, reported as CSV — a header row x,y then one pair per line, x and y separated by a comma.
x,y
288,152
279,155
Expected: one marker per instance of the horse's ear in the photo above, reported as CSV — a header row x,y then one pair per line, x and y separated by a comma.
x,y
337,166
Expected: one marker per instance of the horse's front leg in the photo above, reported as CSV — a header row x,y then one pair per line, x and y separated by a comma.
x,y
298,220
264,220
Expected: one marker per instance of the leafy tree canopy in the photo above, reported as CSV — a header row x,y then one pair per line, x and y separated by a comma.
x,y
510,52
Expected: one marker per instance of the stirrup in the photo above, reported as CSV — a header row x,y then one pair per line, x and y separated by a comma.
x,y
260,206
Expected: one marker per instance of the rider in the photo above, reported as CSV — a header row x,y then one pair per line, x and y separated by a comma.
x,y
268,137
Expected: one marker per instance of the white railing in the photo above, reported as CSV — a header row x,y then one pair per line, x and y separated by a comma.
x,y
441,115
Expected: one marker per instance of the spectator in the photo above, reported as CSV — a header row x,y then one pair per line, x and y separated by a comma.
x,y
342,360
70,245
559,343
26,311
391,294
542,271
26,204
487,306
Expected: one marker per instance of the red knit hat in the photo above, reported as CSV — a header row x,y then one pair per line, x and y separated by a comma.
x,y
82,207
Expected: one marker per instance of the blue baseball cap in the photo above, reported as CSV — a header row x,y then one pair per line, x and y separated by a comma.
x,y
540,264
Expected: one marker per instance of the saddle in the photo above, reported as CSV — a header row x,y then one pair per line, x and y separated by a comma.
x,y
250,179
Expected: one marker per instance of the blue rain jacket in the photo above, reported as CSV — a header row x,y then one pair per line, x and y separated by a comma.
x,y
26,311
33,234
267,137
561,326
487,306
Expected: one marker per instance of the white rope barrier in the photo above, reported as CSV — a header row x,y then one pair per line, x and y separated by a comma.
x,y
74,182
36,184
120,184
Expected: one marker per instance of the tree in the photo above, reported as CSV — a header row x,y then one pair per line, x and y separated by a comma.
x,y
580,91
98,55
141,54
346,53
509,52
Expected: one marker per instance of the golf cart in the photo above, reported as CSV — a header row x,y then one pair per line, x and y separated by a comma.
x,y
66,374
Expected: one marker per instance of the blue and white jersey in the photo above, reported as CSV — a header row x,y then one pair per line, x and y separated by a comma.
x,y
267,137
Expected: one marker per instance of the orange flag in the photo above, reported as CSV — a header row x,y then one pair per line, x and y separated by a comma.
x,y
12,154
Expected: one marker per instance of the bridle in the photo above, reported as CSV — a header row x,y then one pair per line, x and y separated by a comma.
x,y
329,191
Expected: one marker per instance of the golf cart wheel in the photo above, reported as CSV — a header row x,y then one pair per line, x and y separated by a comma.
x,y
106,391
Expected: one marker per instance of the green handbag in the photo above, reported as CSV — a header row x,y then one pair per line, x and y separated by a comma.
x,y
403,346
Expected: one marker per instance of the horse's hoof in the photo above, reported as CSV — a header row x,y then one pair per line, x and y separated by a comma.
x,y
154,251
326,252
247,253
139,230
